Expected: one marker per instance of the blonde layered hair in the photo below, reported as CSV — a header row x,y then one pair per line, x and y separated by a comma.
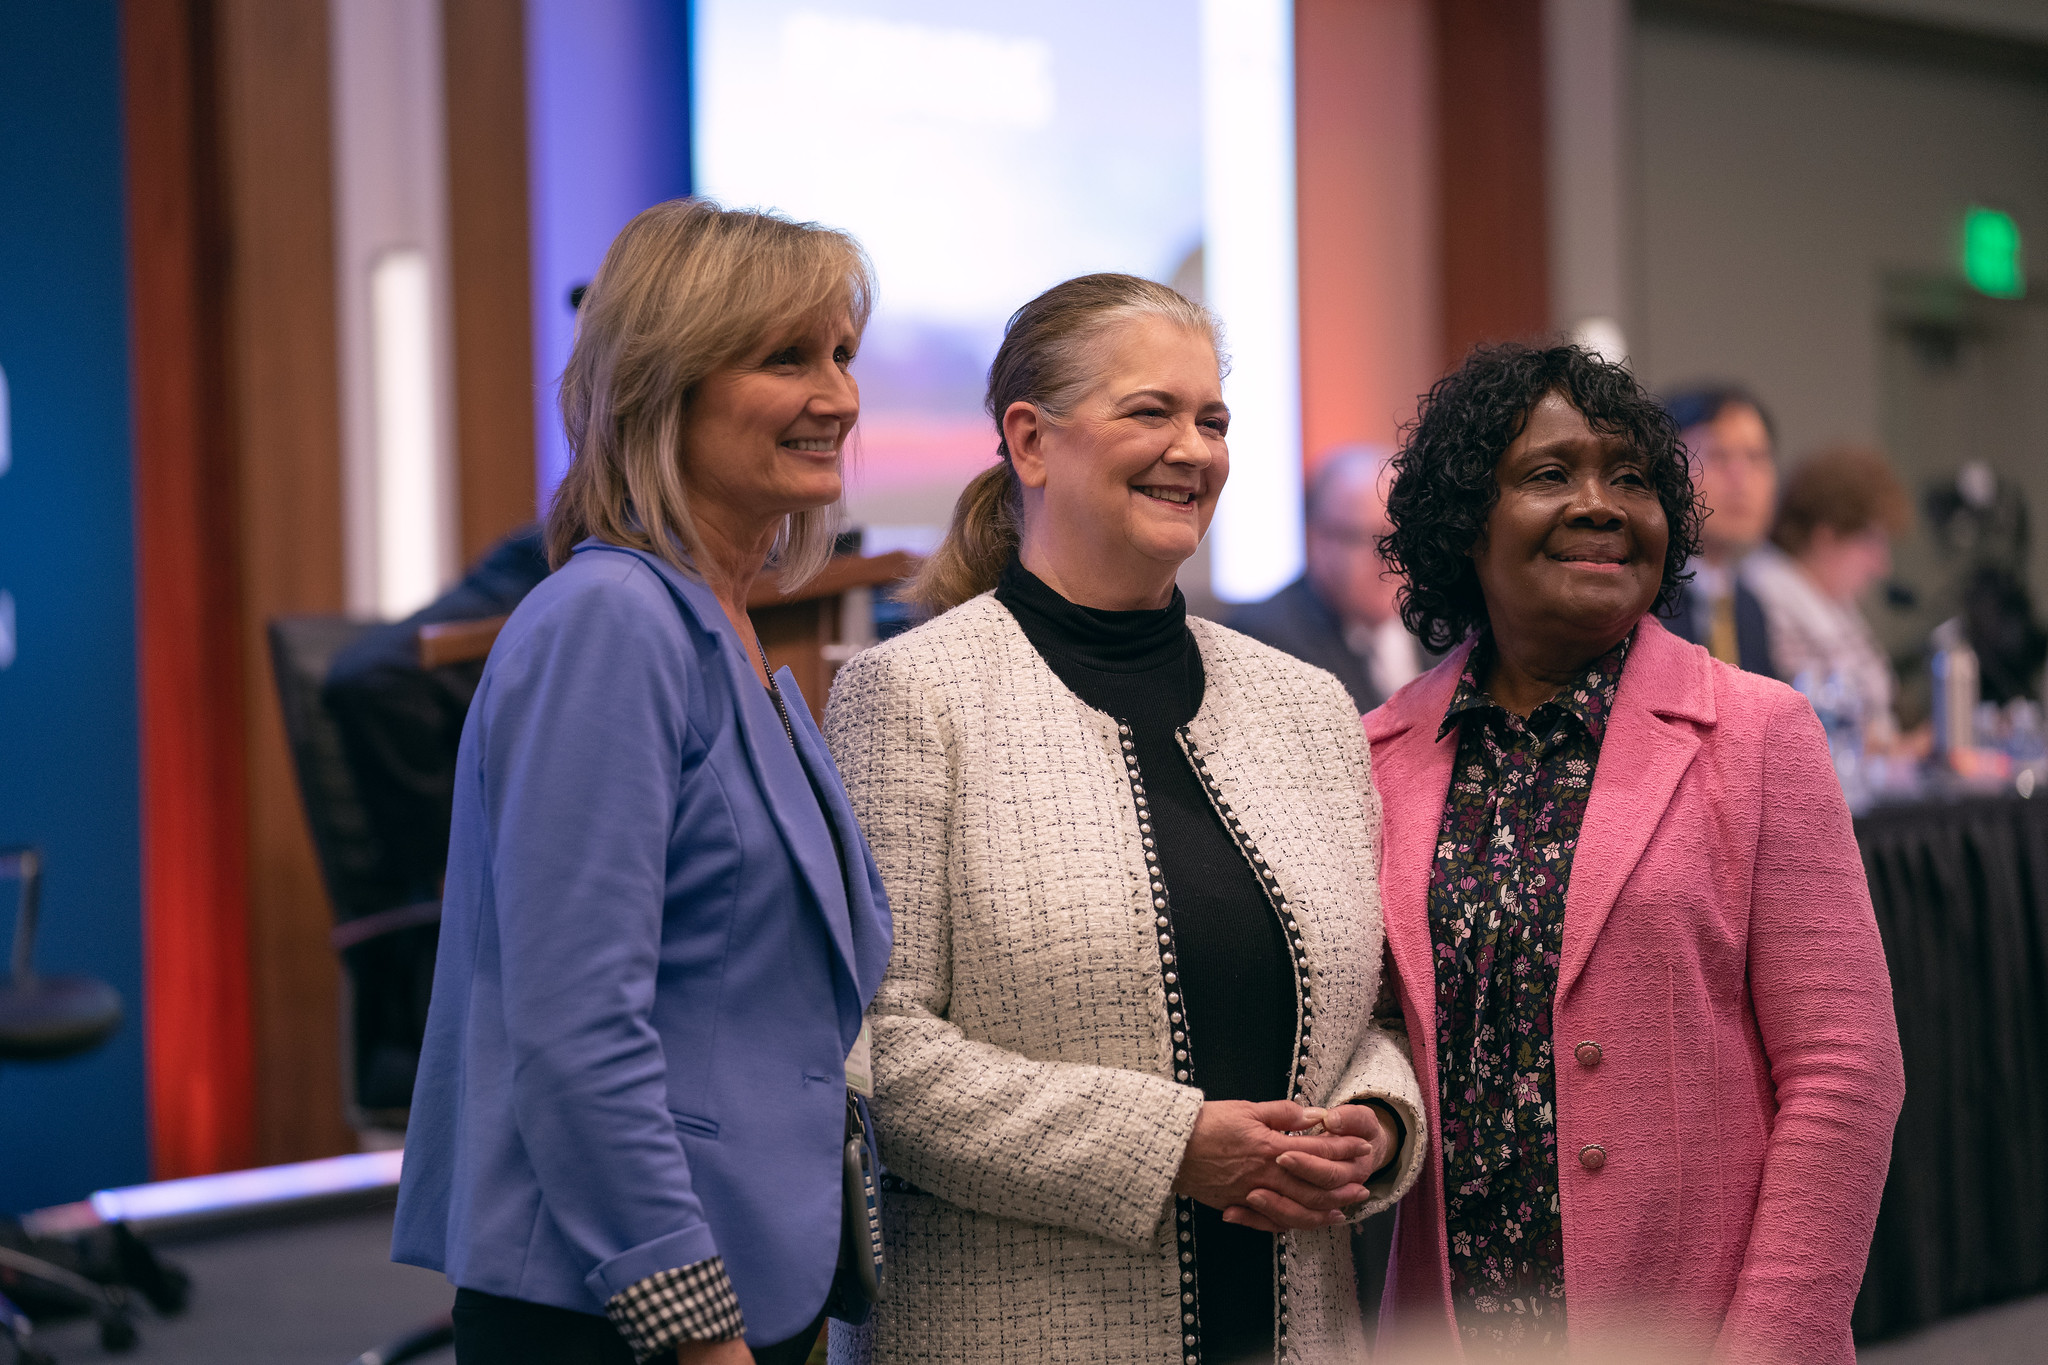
x,y
687,289
1051,357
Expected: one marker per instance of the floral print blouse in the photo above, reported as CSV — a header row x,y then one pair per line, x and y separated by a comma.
x,y
1496,915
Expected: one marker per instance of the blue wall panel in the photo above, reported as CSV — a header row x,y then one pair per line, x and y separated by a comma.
x,y
608,134
68,761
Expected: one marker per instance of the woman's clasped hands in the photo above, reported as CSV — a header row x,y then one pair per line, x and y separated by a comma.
x,y
1259,1165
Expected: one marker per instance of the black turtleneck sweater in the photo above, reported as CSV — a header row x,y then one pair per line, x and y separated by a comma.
x,y
1237,986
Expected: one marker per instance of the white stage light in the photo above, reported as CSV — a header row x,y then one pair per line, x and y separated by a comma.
x,y
199,1200
410,520
239,1191
1250,281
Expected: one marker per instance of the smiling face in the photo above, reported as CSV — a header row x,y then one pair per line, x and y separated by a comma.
x,y
1120,492
1573,552
763,437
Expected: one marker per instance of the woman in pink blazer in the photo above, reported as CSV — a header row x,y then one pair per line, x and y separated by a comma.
x,y
1636,957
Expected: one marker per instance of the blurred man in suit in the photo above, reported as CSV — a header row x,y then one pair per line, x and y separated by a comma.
x,y
1735,465
1341,614
400,723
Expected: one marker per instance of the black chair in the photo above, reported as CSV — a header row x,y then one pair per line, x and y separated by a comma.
x,y
387,949
45,1019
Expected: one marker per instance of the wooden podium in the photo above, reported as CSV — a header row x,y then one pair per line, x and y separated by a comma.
x,y
810,630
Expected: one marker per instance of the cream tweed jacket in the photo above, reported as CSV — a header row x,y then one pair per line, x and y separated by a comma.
x,y
1030,1110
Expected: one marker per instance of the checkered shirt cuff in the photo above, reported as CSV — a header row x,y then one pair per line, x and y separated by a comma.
x,y
689,1303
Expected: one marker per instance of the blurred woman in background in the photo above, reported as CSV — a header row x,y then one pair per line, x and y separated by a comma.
x,y
661,925
1133,860
1604,843
1831,544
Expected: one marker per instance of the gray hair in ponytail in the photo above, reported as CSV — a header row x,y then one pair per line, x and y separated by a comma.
x,y
1050,357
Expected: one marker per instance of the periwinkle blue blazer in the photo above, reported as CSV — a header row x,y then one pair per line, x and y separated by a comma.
x,y
652,964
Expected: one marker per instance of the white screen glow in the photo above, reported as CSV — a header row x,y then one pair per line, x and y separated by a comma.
x,y
984,153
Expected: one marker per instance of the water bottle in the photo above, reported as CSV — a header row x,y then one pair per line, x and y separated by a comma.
x,y
2027,744
2024,739
1988,729
1839,708
1955,692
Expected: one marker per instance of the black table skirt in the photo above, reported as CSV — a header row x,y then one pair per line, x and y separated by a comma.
x,y
1961,894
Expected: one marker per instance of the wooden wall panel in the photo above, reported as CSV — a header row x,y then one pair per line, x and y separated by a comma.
x,y
196,1007
239,520
1490,111
1365,139
276,120
483,42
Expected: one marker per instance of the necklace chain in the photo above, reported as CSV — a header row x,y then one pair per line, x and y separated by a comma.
x,y
781,709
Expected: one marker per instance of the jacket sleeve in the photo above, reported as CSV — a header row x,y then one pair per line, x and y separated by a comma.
x,y
1823,1004
1381,1067
1091,1148
583,730
1380,1070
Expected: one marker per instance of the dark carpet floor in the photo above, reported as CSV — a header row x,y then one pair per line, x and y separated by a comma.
x,y
321,1293
2010,1334
317,1293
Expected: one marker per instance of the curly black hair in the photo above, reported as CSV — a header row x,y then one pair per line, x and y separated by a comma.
x,y
1444,487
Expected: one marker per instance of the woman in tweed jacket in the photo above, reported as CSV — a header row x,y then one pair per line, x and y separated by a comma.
x,y
1127,1080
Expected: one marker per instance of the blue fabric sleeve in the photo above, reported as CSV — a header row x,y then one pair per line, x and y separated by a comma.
x,y
583,730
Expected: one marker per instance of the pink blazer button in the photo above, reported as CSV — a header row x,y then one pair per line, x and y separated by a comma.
x,y
1588,1054
1593,1156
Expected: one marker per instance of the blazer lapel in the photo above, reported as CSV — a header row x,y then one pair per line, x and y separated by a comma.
x,y
786,787
1412,769
788,793
855,909
1650,741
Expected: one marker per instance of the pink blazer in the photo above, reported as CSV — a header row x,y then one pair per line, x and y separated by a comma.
x,y
1722,1143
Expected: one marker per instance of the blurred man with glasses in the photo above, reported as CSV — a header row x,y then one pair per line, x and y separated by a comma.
x,y
1735,466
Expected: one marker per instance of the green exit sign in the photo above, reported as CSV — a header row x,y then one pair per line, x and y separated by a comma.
x,y
1991,254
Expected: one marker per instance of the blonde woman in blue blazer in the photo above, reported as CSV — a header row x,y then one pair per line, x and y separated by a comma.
x,y
661,925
